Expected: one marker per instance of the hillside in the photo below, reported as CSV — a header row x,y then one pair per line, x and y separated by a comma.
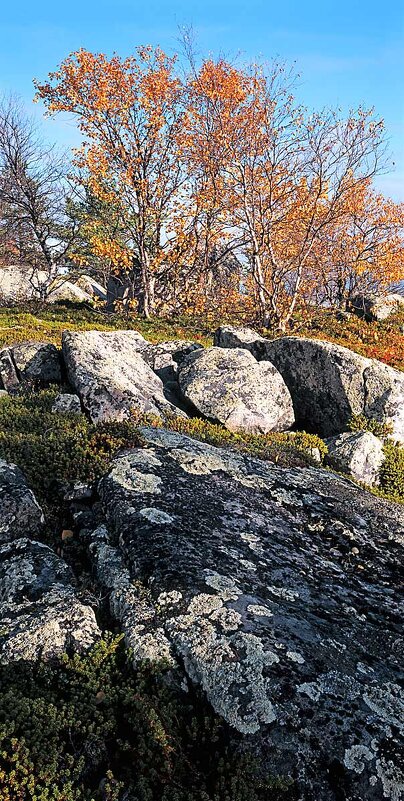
x,y
199,599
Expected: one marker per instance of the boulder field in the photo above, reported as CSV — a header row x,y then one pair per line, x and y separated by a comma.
x,y
245,382
275,592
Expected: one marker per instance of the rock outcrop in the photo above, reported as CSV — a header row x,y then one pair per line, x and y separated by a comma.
x,y
359,454
275,591
40,614
107,371
232,388
329,384
36,363
377,307
20,514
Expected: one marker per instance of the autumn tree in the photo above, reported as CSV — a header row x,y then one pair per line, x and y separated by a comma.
x,y
284,175
35,229
363,251
129,112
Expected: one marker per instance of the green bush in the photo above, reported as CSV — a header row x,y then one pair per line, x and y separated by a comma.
x,y
391,474
360,422
87,727
58,447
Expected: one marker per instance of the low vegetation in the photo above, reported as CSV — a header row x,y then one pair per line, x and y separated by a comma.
x,y
375,340
89,727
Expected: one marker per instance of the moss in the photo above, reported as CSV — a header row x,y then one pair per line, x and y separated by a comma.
x,y
85,728
56,447
391,475
33,322
287,449
360,422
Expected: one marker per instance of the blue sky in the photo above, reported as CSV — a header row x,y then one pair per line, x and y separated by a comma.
x,y
347,52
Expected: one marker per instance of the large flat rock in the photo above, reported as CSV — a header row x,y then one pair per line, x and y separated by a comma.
x,y
107,371
276,591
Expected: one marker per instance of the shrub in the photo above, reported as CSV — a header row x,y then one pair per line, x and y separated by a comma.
x,y
57,447
391,474
360,422
86,727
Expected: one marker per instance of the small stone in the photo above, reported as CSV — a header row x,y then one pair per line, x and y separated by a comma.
x,y
66,404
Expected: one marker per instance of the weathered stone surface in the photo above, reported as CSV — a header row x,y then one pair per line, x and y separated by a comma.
x,y
62,290
8,374
359,453
228,336
165,357
329,384
40,615
232,388
38,362
377,307
107,371
20,514
92,287
276,590
29,569
66,403
20,282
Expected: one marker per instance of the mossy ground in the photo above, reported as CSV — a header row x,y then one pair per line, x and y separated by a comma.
x,y
376,340
92,729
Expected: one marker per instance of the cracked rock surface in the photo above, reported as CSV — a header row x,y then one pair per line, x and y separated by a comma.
x,y
40,613
274,590
107,371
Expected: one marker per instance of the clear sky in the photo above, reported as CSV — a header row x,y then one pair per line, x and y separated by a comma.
x,y
347,51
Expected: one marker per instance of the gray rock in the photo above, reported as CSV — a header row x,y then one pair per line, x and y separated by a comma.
x,y
62,290
29,569
165,357
66,404
37,362
360,454
227,336
108,372
276,591
20,283
8,373
40,614
232,388
329,384
377,307
20,514
92,287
